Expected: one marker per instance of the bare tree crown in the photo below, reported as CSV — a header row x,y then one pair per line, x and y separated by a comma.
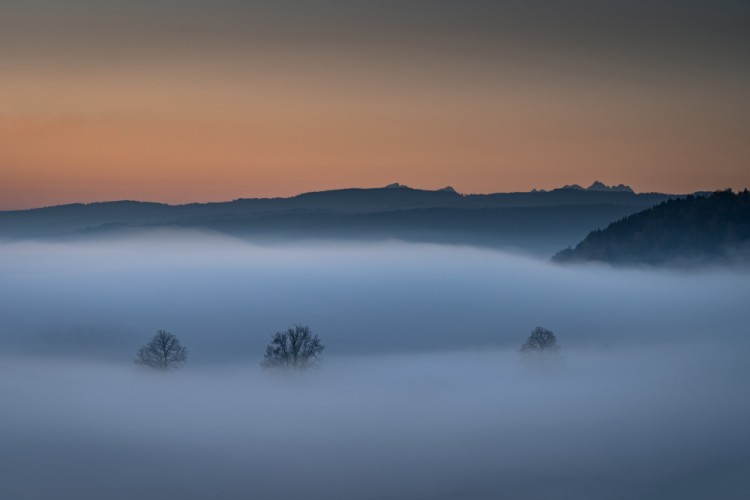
x,y
295,348
164,352
540,340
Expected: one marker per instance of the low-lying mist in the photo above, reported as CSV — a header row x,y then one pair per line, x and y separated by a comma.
x,y
225,297
421,392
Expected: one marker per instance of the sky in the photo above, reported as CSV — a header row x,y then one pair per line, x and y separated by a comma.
x,y
191,100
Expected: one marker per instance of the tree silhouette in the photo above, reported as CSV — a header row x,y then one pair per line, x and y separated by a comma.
x,y
541,340
295,348
162,353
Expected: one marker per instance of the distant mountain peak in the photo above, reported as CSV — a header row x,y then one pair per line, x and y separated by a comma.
x,y
599,186
396,185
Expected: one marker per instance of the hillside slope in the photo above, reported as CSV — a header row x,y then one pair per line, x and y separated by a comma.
x,y
693,229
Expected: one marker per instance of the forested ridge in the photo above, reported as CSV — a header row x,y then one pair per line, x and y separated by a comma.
x,y
715,227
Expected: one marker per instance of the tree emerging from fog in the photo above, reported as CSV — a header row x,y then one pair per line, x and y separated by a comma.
x,y
164,352
296,348
541,340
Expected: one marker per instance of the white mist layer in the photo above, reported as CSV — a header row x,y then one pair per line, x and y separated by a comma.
x,y
421,392
224,298
652,423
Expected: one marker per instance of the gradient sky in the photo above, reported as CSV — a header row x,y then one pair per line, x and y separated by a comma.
x,y
188,100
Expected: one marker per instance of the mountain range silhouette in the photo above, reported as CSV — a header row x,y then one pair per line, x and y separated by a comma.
x,y
536,221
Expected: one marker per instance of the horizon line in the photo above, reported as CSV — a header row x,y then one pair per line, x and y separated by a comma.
x,y
395,185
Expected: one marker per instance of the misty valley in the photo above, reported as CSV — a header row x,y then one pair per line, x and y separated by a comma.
x,y
422,391
374,250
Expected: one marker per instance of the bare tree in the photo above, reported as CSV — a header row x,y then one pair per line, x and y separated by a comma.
x,y
295,348
541,340
162,353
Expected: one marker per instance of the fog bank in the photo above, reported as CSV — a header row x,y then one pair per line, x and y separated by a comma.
x,y
224,298
655,423
421,392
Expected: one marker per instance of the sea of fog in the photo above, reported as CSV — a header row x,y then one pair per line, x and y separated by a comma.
x,y
421,392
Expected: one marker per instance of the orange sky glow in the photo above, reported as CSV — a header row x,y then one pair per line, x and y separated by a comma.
x,y
223,124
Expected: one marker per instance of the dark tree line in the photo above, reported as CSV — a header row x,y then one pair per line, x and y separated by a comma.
x,y
693,228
